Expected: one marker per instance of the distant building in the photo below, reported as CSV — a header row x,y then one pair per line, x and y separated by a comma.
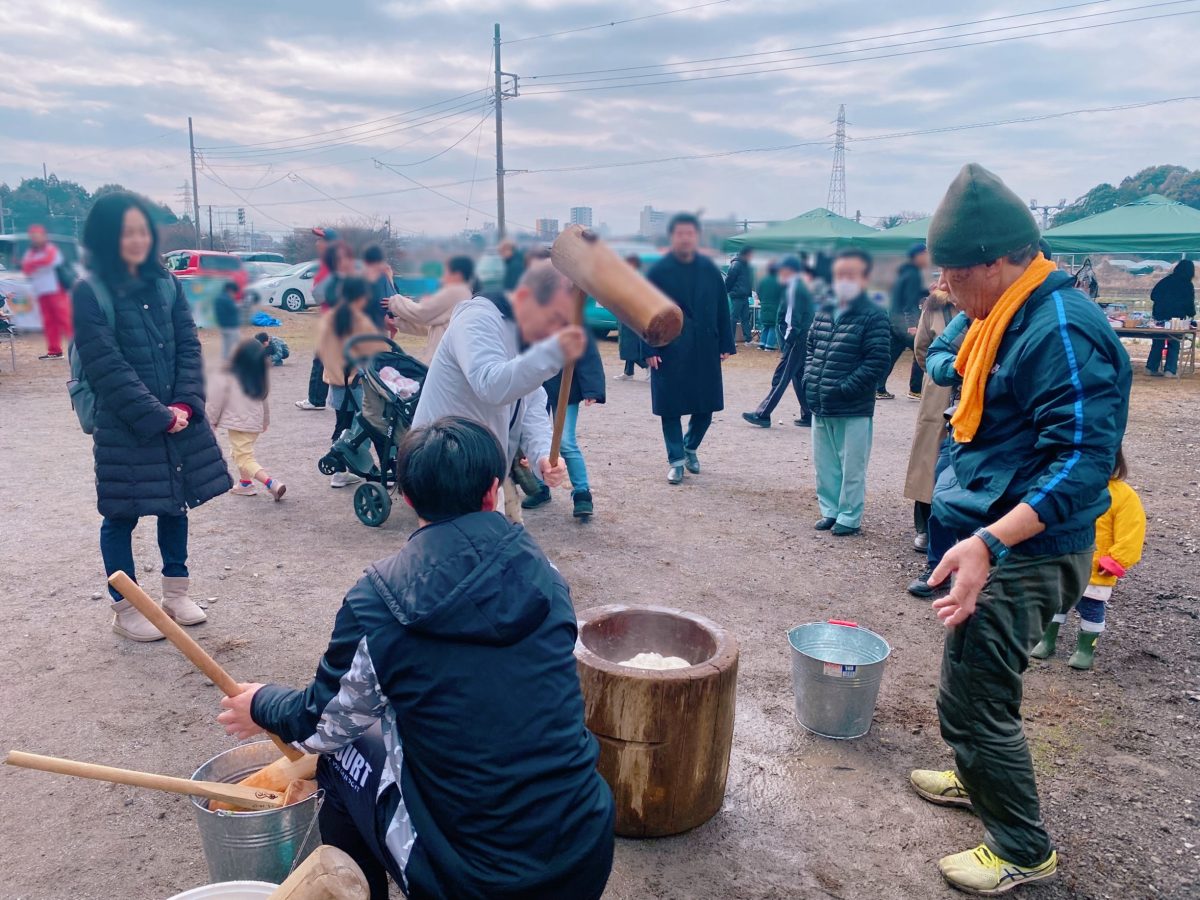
x,y
581,215
547,229
652,223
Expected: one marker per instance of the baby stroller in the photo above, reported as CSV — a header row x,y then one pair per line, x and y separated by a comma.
x,y
384,419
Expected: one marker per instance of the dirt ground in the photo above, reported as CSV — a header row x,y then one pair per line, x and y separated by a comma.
x,y
1116,749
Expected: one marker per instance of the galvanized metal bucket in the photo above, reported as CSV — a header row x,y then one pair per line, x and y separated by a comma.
x,y
836,670
254,846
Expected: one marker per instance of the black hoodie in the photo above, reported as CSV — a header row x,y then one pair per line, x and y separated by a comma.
x,y
463,644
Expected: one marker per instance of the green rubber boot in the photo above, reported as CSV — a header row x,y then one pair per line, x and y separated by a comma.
x,y
1045,647
1085,651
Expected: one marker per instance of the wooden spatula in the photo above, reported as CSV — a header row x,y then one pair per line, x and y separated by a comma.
x,y
279,774
235,795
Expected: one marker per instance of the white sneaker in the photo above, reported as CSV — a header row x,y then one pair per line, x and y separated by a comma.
x,y
343,479
304,404
244,490
621,376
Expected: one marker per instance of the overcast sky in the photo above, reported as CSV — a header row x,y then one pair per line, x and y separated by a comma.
x,y
100,90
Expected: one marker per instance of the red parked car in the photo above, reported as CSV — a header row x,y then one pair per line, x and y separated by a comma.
x,y
207,264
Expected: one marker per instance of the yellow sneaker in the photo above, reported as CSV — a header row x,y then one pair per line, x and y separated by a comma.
x,y
982,872
942,788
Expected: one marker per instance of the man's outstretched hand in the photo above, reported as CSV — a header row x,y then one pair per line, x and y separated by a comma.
x,y
236,718
970,562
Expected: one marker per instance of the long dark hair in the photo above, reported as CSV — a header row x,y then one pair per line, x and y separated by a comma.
x,y
102,237
353,288
1186,269
249,365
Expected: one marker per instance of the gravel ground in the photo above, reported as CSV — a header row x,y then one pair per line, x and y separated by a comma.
x,y
1116,749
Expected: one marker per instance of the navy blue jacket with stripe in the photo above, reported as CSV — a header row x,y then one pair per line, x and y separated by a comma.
x,y
463,645
1053,417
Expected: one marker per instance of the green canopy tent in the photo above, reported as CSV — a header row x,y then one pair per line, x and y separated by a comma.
x,y
895,240
1153,225
817,229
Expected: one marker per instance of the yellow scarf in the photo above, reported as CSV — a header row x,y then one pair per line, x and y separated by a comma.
x,y
978,352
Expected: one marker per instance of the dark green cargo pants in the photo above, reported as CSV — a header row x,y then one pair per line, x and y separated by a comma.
x,y
979,702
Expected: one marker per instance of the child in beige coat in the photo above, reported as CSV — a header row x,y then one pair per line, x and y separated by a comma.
x,y
237,401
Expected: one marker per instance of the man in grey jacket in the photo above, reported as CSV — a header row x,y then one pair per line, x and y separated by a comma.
x,y
491,363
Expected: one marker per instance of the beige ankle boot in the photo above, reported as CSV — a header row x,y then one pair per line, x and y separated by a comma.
x,y
178,605
130,623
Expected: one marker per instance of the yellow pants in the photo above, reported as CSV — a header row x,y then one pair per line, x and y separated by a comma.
x,y
242,443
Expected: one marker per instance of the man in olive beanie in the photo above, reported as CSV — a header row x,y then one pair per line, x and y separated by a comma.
x,y
1041,414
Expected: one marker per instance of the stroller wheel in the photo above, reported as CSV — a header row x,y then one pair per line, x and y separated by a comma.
x,y
372,504
328,464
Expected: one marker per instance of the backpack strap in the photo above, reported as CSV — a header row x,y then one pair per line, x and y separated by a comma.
x,y
104,300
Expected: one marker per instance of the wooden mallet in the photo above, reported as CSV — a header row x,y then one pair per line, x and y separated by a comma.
x,y
234,795
595,268
279,774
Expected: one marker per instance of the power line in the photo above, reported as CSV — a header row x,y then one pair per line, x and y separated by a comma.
x,y
852,140
878,37
657,15
213,176
346,205
362,137
433,190
345,162
370,194
932,40
477,127
314,134
840,62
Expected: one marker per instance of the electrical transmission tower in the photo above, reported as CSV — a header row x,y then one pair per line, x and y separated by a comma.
x,y
836,202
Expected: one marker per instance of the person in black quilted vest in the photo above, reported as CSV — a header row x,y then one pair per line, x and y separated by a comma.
x,y
155,453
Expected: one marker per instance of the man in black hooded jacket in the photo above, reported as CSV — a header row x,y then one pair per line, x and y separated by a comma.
x,y
448,706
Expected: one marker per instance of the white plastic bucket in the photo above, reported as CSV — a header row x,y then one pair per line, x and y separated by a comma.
x,y
229,890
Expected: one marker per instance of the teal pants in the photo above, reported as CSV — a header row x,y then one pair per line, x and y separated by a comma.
x,y
841,451
979,701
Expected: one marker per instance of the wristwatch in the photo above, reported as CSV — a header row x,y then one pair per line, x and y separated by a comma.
x,y
996,547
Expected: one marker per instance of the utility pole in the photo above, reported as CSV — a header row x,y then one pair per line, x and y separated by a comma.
x,y
499,101
195,196
501,96
211,245
46,190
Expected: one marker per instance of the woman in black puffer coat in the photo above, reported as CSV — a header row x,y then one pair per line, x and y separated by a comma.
x,y
154,451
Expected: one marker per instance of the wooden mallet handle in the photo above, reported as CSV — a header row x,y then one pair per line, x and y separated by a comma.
x,y
142,602
243,797
564,387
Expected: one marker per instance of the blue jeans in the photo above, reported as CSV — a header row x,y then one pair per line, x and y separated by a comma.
x,y
1156,351
116,547
679,445
769,338
571,454
344,418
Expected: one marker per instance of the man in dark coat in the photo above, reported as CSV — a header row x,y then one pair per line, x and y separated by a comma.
x,y
848,349
908,293
629,345
1174,298
1036,430
797,316
739,284
686,374
514,263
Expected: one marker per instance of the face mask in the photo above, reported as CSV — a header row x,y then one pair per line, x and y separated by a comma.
x,y
846,290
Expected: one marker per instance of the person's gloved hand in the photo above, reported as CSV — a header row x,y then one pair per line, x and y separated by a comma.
x,y
1110,566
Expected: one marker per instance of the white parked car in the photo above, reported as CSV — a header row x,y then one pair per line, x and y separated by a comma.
x,y
291,289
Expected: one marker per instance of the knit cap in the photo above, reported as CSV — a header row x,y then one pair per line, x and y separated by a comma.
x,y
978,221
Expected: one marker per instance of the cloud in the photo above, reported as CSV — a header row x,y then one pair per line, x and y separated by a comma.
x,y
102,90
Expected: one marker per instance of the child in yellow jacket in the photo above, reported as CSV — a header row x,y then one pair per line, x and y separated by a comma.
x,y
1120,534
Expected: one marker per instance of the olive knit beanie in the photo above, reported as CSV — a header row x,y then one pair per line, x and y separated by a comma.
x,y
978,221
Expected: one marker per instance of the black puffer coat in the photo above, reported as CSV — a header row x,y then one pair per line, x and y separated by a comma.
x,y
137,368
846,359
